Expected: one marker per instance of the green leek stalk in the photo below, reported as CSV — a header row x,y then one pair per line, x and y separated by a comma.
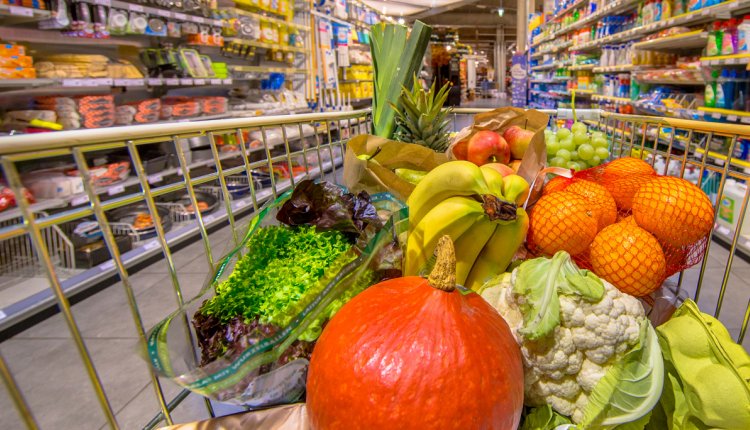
x,y
397,58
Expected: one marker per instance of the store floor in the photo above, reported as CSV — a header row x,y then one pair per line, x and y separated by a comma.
x,y
47,367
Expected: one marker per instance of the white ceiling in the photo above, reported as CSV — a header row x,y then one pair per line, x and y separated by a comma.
x,y
406,7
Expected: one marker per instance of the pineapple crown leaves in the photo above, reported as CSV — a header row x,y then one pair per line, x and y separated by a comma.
x,y
421,118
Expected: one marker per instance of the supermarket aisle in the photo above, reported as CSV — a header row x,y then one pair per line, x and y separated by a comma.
x,y
109,332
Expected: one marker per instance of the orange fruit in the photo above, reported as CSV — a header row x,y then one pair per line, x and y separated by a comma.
x,y
600,200
561,221
623,177
558,183
624,189
624,168
629,258
677,212
628,220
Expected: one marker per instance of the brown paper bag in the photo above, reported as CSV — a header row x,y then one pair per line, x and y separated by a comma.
x,y
535,158
287,417
375,175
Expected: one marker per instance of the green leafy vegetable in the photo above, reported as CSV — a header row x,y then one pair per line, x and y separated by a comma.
x,y
630,388
397,57
543,418
541,280
280,266
707,384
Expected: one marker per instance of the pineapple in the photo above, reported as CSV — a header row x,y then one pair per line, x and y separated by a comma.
x,y
421,118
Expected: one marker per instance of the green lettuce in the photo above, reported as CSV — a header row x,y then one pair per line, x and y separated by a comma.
x,y
541,280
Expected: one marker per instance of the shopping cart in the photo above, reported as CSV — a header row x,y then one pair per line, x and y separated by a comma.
x,y
304,146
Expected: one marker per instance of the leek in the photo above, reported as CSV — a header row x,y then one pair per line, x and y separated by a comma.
x,y
396,57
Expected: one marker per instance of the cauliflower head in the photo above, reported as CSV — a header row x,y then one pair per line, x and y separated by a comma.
x,y
571,328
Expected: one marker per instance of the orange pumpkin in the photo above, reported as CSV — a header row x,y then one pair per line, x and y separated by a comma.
x,y
414,353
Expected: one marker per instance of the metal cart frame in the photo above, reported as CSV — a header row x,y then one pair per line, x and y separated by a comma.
x,y
629,134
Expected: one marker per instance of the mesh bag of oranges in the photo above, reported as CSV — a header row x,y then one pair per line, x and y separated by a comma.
x,y
629,225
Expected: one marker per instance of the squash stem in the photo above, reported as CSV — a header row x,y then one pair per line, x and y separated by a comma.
x,y
443,275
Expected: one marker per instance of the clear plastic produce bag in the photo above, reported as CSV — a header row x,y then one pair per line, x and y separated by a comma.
x,y
271,366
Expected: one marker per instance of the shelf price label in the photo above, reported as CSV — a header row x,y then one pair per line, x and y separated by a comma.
x,y
73,82
154,81
115,189
215,81
180,16
103,2
156,177
199,81
732,118
128,82
82,199
107,266
21,11
723,230
135,8
186,81
151,244
172,81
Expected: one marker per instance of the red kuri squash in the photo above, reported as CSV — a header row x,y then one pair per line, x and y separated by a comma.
x,y
414,353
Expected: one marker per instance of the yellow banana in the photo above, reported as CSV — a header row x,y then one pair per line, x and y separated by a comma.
x,y
469,246
494,180
452,217
515,189
499,251
454,178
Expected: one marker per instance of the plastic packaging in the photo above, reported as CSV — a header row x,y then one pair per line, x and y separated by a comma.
x,y
729,37
715,38
270,370
710,94
743,35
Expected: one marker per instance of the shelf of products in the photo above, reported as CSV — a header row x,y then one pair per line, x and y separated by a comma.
x,y
599,97
677,42
143,251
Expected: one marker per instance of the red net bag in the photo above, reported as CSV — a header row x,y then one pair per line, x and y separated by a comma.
x,y
624,222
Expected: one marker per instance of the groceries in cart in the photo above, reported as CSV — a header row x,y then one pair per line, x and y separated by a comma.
x,y
303,257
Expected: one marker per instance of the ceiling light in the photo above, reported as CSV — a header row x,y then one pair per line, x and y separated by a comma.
x,y
448,48
401,20
500,12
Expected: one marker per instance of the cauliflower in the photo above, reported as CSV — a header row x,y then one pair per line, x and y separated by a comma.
x,y
571,327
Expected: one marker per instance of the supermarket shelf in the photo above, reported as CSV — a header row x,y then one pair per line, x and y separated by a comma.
x,y
612,8
549,94
148,249
176,16
560,14
353,81
579,92
716,156
331,18
553,50
726,60
555,65
264,69
267,17
670,82
677,42
86,83
583,67
614,69
696,17
41,206
550,81
19,14
264,45
612,99
725,235
724,114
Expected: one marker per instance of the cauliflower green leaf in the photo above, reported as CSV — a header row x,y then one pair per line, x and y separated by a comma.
x,y
541,280
630,389
543,418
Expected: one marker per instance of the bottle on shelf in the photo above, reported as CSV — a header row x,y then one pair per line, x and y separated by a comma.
x,y
743,35
715,37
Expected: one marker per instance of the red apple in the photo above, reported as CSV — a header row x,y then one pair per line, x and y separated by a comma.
x,y
487,147
504,170
518,139
459,149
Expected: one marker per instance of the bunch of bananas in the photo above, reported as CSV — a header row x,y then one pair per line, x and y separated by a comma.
x,y
478,209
